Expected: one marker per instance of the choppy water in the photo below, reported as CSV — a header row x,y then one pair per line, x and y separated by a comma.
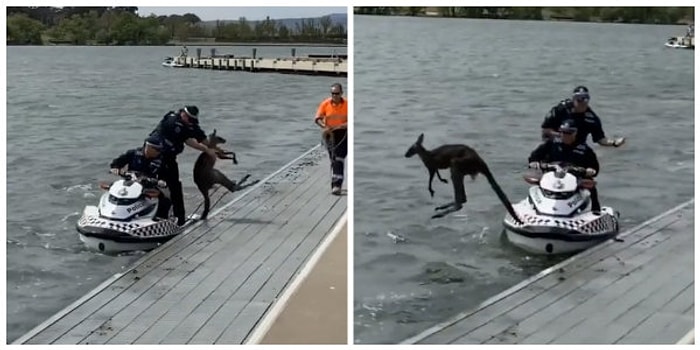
x,y
488,84
70,110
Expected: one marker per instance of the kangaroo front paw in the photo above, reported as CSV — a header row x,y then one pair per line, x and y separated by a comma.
x,y
443,180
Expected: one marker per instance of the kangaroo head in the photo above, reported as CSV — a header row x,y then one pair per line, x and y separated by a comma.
x,y
413,150
215,140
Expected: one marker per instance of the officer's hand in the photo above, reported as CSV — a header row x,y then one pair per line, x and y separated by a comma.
x,y
590,172
618,142
114,171
534,165
162,184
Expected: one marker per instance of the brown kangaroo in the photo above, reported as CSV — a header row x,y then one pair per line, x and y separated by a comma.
x,y
462,160
205,176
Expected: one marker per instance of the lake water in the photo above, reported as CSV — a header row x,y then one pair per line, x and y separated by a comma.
x,y
71,110
488,84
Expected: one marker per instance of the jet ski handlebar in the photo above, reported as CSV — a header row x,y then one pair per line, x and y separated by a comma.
x,y
143,179
566,168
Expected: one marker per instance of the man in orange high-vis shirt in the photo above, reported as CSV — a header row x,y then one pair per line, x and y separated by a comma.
x,y
332,116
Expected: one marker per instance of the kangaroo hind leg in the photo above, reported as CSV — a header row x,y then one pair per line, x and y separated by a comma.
x,y
205,194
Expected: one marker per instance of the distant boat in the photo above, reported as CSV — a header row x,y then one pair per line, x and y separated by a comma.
x,y
681,42
171,62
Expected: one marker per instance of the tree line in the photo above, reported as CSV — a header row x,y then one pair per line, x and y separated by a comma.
x,y
646,15
123,26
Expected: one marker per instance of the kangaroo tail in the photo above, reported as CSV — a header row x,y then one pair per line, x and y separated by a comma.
x,y
499,192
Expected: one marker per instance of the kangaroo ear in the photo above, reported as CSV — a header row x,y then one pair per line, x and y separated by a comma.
x,y
214,133
420,139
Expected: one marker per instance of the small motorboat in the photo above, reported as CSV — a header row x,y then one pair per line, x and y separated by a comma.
x,y
557,216
680,43
123,220
172,62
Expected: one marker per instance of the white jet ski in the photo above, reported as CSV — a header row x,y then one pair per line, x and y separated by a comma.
x,y
123,219
556,214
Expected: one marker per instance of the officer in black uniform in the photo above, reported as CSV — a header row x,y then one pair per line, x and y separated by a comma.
x,y
146,160
586,120
175,130
566,150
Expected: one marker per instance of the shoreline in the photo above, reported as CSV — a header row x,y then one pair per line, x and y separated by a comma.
x,y
558,19
205,43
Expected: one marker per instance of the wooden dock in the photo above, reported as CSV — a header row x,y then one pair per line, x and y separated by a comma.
x,y
638,289
329,65
215,283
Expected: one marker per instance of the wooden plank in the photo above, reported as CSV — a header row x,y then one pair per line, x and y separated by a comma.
x,y
170,270
661,328
599,300
131,278
636,241
281,272
134,329
578,288
626,324
151,263
559,301
671,314
625,294
295,258
215,275
657,302
255,273
486,314
212,326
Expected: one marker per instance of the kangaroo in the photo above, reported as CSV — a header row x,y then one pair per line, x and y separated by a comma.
x,y
462,160
205,176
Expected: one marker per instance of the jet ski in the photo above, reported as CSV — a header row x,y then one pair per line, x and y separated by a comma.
x,y
557,216
123,220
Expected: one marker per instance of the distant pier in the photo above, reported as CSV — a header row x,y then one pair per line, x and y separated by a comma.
x,y
315,64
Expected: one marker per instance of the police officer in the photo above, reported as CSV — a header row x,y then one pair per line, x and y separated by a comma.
x,y
566,150
146,160
586,120
175,130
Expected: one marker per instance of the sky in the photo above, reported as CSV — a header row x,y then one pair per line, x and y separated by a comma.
x,y
250,13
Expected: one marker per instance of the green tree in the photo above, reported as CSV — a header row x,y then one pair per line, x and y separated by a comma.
x,y
23,30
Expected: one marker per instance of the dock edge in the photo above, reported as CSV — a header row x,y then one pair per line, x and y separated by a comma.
x,y
60,314
440,326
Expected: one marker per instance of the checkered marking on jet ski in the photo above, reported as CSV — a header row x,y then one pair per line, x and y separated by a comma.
x,y
159,229
117,226
605,223
536,221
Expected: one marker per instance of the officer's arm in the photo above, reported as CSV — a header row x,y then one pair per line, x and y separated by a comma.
x,y
550,125
599,136
122,160
540,153
192,142
592,161
197,140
